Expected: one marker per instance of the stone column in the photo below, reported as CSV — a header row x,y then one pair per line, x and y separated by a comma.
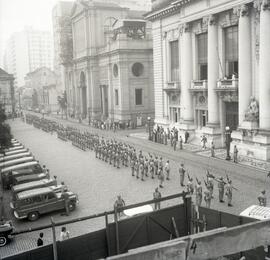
x,y
213,72
264,87
245,65
186,74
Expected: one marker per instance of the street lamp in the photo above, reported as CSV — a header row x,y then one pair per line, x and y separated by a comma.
x,y
149,130
228,141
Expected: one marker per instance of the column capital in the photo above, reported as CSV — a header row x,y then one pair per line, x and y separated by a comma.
x,y
241,10
184,28
262,5
210,20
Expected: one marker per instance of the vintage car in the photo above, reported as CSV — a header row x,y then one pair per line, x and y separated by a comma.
x,y
9,173
16,161
33,185
6,229
29,177
14,156
15,148
31,204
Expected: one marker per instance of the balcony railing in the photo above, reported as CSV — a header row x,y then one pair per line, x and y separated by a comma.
x,y
198,85
172,86
227,84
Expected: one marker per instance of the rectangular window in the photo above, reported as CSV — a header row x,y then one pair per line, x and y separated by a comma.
x,y
138,97
231,51
116,97
174,55
202,55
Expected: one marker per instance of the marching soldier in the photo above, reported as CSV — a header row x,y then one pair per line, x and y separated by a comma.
x,y
198,193
114,158
221,186
161,177
152,168
156,165
262,199
167,169
132,166
119,203
182,171
160,163
136,168
156,196
141,170
146,165
210,183
181,142
229,193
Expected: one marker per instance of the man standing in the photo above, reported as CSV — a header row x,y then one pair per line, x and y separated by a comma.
x,y
186,136
152,166
167,169
221,185
181,142
119,203
190,187
132,164
229,193
262,199
161,177
156,196
235,154
182,171
212,149
207,198
198,193
156,165
174,143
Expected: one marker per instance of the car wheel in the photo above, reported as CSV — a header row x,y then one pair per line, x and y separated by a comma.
x,y
71,206
33,216
3,241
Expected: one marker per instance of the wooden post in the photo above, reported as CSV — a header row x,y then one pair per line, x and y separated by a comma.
x,y
116,231
54,241
108,234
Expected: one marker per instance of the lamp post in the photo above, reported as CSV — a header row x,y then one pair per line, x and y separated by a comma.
x,y
149,130
228,141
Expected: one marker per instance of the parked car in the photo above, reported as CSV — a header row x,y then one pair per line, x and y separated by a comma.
x,y
6,229
29,177
33,185
31,204
9,173
23,150
16,161
18,147
14,156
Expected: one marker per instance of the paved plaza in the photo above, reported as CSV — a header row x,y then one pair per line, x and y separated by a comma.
x,y
97,183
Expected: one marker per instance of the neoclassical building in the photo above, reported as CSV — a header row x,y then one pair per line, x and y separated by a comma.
x,y
111,73
212,70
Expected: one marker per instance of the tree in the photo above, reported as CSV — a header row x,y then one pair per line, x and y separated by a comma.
x,y
62,101
5,133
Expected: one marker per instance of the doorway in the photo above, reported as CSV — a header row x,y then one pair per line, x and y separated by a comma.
x,y
231,114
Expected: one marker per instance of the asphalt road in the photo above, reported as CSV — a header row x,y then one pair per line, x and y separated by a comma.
x,y
97,183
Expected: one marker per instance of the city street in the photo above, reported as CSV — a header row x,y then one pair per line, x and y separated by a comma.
x,y
97,183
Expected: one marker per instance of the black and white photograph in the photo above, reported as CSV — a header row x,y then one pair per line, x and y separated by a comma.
x,y
135,129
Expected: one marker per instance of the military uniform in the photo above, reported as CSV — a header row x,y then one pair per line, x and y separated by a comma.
x,y
207,198
136,167
190,186
167,169
157,195
221,186
132,165
229,194
182,172
161,177
262,199
198,193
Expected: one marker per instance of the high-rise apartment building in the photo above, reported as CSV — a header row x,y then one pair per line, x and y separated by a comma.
x,y
26,51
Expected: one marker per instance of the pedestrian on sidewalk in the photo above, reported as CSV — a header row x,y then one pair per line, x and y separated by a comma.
x,y
235,154
262,199
212,149
40,239
182,172
64,235
156,196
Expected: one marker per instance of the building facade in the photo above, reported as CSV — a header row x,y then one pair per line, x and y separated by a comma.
x,y
110,76
42,82
211,70
26,51
7,98
60,11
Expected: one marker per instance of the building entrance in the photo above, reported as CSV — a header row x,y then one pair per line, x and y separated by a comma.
x,y
231,115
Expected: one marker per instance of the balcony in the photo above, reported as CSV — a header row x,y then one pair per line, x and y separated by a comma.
x,y
172,86
227,85
198,85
